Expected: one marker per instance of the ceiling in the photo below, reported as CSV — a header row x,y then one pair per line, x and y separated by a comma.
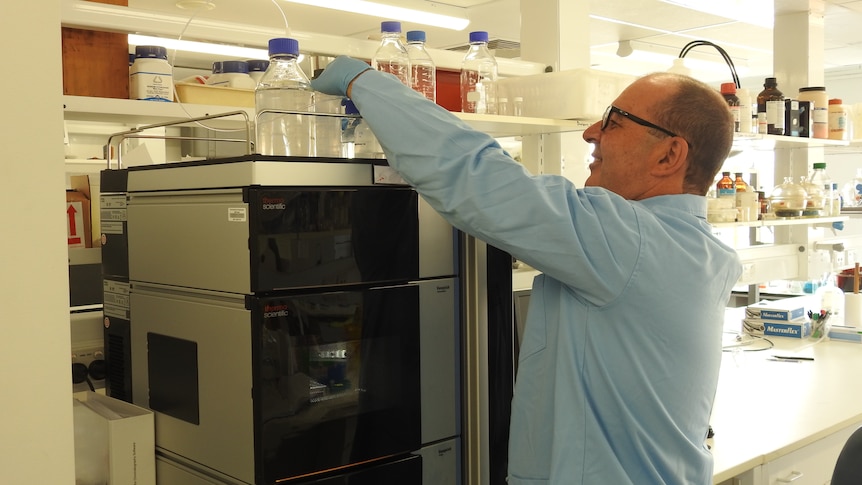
x,y
650,25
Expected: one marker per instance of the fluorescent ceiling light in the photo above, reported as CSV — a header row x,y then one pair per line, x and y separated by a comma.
x,y
755,12
225,50
424,17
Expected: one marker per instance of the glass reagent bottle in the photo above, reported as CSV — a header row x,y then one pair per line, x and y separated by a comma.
x,y
391,56
423,72
479,77
285,87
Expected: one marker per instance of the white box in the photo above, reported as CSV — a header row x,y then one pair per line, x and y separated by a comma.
x,y
576,94
798,329
784,310
114,442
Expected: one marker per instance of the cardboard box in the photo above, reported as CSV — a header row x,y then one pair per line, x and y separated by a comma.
x,y
114,441
791,117
784,310
78,230
82,216
847,334
806,119
769,328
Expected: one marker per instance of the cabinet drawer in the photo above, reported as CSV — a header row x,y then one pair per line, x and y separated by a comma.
x,y
810,465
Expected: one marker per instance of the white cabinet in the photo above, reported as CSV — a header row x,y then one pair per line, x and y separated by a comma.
x,y
810,465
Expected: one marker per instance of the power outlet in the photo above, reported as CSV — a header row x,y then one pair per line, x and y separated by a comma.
x,y
86,354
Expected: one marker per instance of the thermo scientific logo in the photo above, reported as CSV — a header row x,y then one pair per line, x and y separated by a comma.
x,y
273,203
272,311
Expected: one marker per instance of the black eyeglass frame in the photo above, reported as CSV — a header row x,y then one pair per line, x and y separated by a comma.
x,y
606,118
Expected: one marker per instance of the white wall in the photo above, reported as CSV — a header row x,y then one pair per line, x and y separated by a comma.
x,y
36,441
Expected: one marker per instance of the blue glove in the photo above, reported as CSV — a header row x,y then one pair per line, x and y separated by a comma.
x,y
338,74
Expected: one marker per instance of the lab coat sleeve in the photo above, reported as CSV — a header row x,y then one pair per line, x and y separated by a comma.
x,y
586,238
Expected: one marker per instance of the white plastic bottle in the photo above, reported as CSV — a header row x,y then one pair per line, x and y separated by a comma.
x,y
151,76
821,179
256,68
423,72
215,73
831,299
744,110
234,75
284,86
391,56
837,202
479,77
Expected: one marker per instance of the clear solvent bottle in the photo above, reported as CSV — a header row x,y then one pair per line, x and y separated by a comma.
x,y
479,77
423,72
285,87
391,56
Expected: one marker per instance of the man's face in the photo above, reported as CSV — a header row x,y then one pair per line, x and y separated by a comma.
x,y
625,150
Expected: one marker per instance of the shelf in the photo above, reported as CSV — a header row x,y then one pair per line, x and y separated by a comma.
x,y
133,112
772,142
800,221
499,125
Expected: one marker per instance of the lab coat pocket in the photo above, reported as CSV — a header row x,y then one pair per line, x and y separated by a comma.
x,y
535,337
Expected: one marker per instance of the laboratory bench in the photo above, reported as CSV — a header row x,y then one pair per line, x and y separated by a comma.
x,y
780,420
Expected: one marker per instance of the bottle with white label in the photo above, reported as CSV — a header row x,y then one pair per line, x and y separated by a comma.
x,y
479,77
151,76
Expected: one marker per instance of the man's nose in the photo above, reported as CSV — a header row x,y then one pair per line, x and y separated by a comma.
x,y
593,132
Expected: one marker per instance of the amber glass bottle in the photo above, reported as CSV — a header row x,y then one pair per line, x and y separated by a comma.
x,y
770,108
725,187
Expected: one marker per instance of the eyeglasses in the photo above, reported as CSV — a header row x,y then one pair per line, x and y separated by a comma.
x,y
606,118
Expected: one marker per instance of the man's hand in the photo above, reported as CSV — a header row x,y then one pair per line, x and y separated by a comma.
x,y
338,75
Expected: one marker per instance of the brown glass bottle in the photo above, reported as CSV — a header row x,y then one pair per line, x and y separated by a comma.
x,y
770,108
740,184
725,187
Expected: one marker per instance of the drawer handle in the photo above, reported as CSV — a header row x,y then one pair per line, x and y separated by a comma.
x,y
791,478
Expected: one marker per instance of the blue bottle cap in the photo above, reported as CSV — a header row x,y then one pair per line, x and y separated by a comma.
x,y
478,36
283,45
416,35
218,67
257,65
349,107
151,52
235,66
390,26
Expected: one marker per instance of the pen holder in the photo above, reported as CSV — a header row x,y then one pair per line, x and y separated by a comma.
x,y
853,309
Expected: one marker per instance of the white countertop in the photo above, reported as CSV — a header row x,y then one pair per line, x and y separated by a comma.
x,y
765,409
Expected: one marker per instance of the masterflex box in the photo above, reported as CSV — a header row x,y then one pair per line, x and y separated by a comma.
x,y
769,328
784,310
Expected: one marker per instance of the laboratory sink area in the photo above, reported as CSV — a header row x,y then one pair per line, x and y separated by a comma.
x,y
784,407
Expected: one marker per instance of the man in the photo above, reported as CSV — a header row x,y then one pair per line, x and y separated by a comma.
x,y
621,351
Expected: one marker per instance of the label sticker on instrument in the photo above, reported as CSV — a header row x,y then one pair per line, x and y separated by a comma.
x,y
237,214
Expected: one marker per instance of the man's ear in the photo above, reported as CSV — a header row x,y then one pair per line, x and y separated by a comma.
x,y
674,160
